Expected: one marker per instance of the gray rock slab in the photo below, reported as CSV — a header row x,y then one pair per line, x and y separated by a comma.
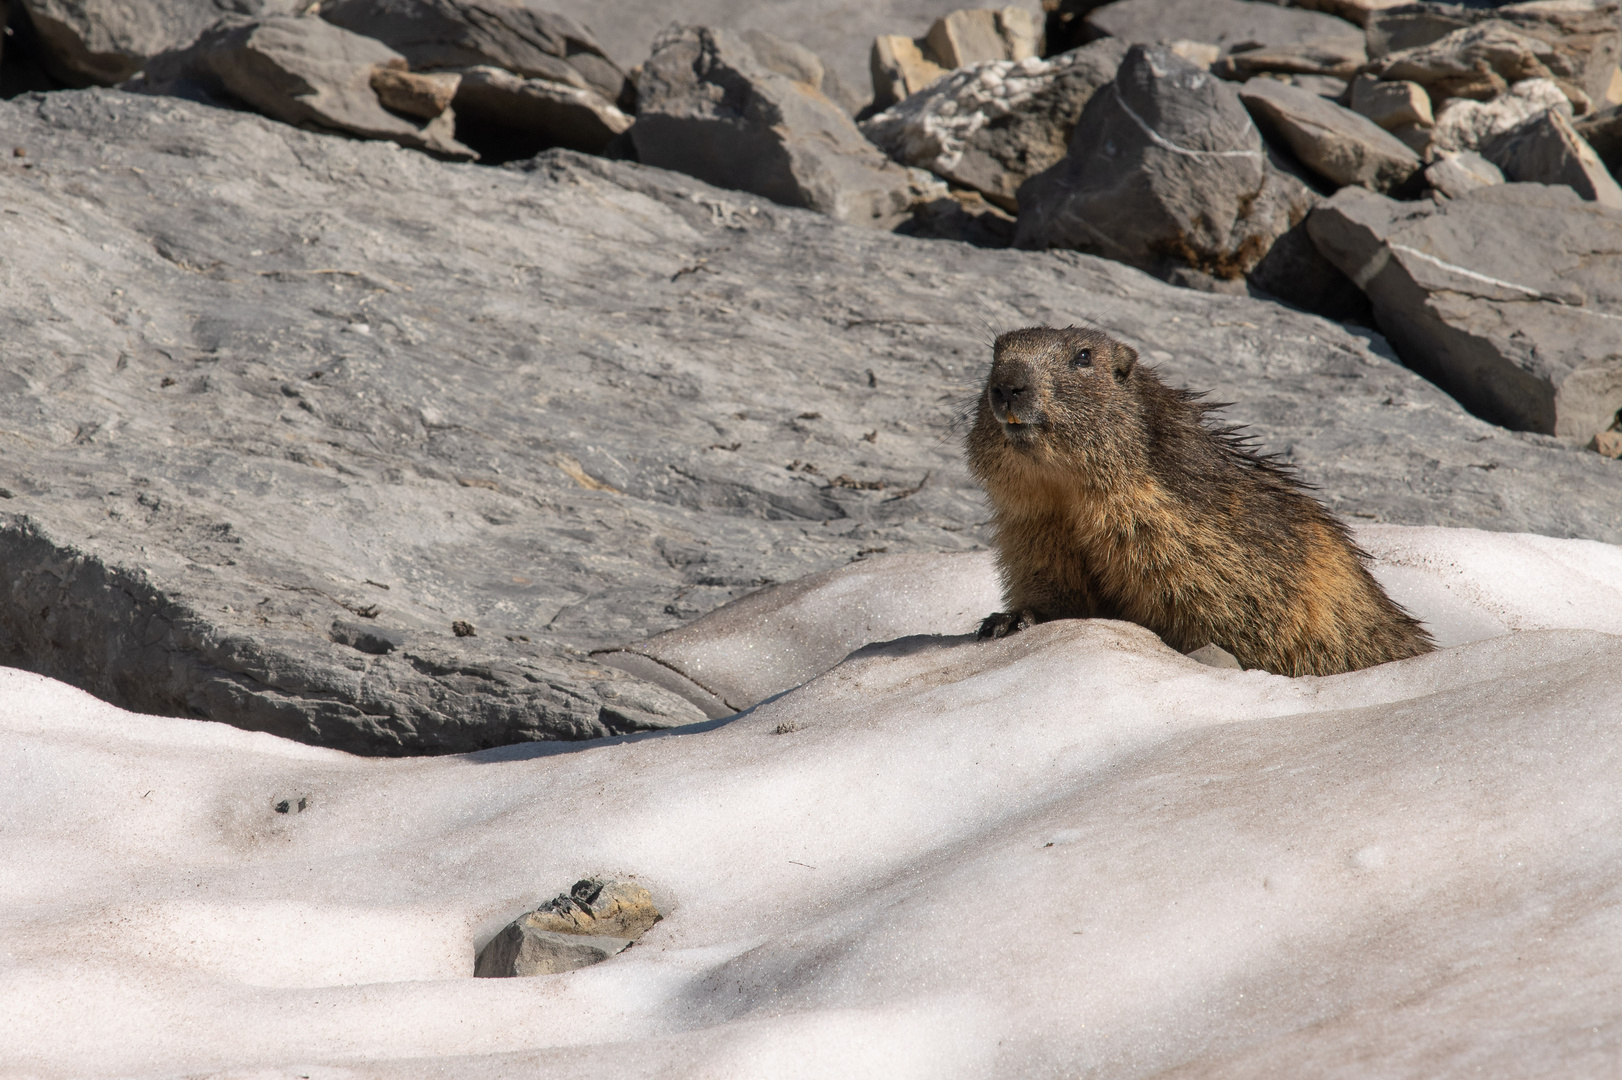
x,y
994,126
1231,25
1334,142
1509,296
841,34
1165,170
1455,172
523,39
326,381
302,71
1462,124
1334,59
709,105
1584,34
103,42
1547,150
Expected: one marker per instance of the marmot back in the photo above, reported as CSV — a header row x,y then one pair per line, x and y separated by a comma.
x,y
1112,498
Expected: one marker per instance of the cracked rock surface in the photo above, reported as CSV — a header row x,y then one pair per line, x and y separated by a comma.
x,y
281,409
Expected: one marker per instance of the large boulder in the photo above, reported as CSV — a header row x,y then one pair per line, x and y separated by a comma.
x,y
275,434
1166,172
103,42
1583,35
310,73
993,126
1465,124
711,107
1547,150
506,34
1334,142
1505,296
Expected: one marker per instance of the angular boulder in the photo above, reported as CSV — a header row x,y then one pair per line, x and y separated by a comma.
x,y
709,107
308,73
508,117
1505,296
506,34
1165,171
104,42
522,950
1455,172
1232,25
1583,35
1332,141
1463,124
899,69
993,126
1547,150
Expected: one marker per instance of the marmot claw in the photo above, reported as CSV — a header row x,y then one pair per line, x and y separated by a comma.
x,y
1002,623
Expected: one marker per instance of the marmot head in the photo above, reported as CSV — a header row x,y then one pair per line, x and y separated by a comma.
x,y
1056,399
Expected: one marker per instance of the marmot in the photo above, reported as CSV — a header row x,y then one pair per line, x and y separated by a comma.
x,y
1113,498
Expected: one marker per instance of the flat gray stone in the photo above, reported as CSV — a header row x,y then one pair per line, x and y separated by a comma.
x,y
1230,25
1547,150
711,106
1509,296
993,126
581,403
1455,172
1334,142
526,40
1166,170
103,42
1337,58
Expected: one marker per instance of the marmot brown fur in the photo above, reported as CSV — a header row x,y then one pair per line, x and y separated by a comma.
x,y
1112,498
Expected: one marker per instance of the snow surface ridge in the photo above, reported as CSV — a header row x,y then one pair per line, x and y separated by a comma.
x,y
1071,851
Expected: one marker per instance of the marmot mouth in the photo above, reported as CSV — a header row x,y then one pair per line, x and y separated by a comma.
x,y
1020,433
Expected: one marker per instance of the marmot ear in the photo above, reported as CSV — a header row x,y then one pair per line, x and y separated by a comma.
x,y
1126,357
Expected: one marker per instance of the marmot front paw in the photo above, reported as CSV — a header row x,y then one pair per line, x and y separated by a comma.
x,y
1004,623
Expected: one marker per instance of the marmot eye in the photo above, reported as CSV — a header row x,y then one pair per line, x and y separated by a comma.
x,y
1083,358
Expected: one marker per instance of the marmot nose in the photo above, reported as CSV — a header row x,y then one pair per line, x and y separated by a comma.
x,y
1010,394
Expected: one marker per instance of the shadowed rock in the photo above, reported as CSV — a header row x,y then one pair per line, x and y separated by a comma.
x,y
1334,142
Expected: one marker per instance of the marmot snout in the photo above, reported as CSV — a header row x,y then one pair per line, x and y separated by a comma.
x,y
1113,498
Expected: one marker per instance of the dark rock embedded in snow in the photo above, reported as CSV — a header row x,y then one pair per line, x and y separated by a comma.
x,y
1508,296
1332,141
709,105
1165,171
993,126
591,922
326,382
